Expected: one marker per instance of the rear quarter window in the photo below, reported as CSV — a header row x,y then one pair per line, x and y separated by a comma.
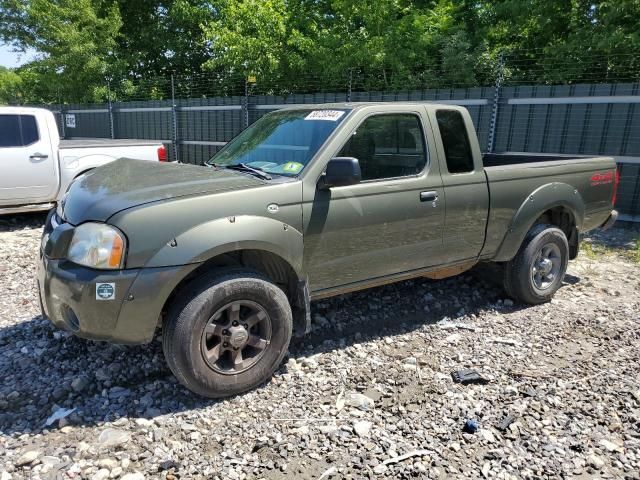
x,y
18,130
455,140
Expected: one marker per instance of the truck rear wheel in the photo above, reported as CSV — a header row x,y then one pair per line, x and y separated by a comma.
x,y
227,333
536,272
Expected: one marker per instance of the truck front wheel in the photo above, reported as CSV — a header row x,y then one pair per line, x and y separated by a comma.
x,y
227,333
536,272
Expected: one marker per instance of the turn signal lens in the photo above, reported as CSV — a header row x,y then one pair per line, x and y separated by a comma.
x,y
117,249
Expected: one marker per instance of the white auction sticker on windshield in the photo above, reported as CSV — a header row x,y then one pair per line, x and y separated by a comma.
x,y
332,115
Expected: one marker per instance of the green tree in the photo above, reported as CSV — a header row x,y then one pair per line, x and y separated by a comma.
x,y
386,43
75,40
564,40
252,37
305,46
10,87
158,37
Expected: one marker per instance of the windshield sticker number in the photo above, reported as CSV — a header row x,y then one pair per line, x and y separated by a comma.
x,y
332,115
292,167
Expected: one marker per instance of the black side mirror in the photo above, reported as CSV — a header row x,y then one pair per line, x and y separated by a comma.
x,y
341,172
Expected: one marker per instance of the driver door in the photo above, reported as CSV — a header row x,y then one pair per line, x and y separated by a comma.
x,y
392,221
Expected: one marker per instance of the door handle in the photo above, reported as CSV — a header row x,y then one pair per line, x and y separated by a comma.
x,y
38,156
428,196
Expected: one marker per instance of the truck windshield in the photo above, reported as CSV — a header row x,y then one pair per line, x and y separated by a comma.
x,y
281,142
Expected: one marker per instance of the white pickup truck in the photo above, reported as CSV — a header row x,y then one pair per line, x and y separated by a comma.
x,y
37,167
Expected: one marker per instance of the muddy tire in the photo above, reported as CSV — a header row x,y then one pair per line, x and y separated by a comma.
x,y
536,272
227,333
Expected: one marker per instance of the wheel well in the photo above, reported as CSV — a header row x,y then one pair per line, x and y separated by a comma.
x,y
274,267
564,219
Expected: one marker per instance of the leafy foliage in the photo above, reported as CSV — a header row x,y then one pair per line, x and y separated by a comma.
x,y
75,39
10,85
310,45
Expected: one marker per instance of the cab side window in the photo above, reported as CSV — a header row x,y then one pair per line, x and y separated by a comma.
x,y
457,148
18,130
388,146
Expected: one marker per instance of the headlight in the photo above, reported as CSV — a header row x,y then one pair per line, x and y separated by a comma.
x,y
97,245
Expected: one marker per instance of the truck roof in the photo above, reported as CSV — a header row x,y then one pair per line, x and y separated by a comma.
x,y
357,105
289,106
23,110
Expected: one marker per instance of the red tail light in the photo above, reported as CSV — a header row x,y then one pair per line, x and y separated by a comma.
x,y
162,154
615,186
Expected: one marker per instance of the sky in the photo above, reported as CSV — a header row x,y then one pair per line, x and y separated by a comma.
x,y
11,59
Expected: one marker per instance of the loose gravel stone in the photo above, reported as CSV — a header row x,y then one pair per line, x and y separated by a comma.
x,y
133,476
362,428
101,474
368,394
80,383
27,457
112,437
595,461
358,400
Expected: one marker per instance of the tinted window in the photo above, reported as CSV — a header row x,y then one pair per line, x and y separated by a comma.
x,y
457,149
388,146
10,131
29,129
18,130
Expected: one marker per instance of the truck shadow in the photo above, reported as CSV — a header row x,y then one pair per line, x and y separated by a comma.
x,y
45,369
11,223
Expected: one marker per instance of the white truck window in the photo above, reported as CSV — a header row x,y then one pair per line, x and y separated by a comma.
x,y
18,130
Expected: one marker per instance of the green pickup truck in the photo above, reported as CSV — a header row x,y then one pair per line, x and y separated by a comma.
x,y
308,202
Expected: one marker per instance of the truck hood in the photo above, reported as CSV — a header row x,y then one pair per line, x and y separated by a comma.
x,y
128,183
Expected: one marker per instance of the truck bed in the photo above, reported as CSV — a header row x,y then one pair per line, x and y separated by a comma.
x,y
106,142
513,177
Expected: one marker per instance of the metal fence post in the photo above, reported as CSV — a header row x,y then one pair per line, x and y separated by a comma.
x,y
496,106
63,121
61,112
174,120
245,103
349,84
111,126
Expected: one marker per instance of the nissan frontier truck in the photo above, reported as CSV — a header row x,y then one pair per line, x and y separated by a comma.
x,y
308,202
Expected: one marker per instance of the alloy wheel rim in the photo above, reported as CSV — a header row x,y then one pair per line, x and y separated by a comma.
x,y
546,266
236,337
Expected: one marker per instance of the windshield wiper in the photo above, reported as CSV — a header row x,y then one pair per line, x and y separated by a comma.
x,y
243,167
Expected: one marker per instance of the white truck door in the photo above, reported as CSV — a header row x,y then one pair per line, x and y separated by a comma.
x,y
27,160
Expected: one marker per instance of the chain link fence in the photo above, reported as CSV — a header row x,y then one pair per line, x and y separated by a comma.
x,y
518,104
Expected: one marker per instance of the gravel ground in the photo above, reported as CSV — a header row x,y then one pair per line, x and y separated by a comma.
x,y
367,395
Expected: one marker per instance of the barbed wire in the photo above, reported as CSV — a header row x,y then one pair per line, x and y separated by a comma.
x,y
530,68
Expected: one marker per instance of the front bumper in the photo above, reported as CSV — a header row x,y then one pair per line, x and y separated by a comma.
x,y
68,298
70,301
